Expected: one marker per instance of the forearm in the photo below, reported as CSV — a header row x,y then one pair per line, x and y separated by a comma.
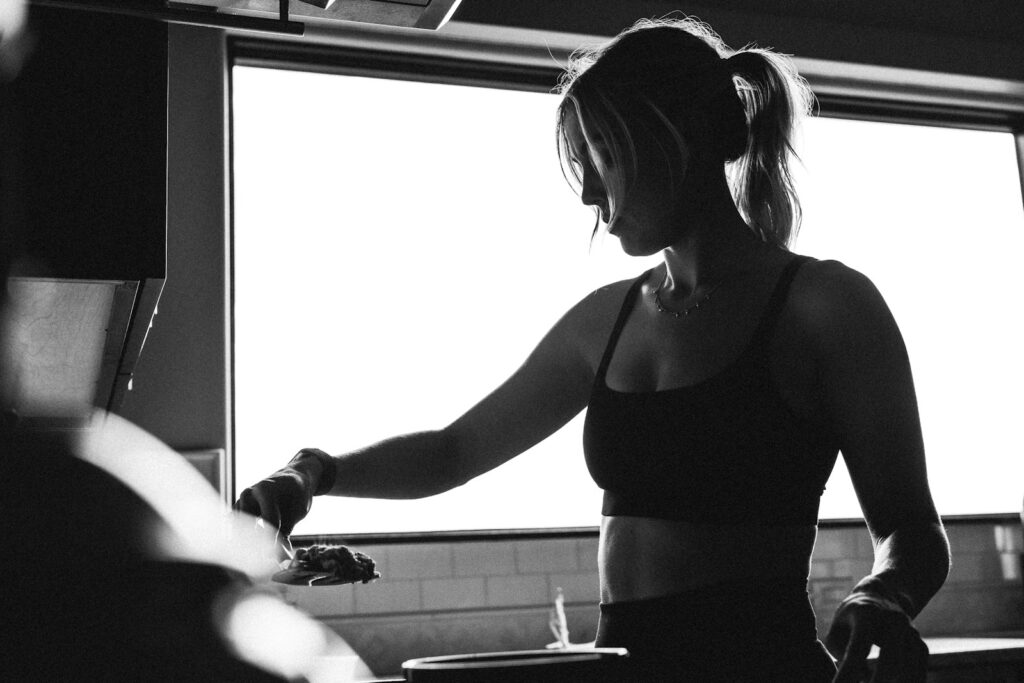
x,y
411,466
913,561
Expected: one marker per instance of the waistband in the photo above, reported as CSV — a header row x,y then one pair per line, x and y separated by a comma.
x,y
725,592
778,610
736,632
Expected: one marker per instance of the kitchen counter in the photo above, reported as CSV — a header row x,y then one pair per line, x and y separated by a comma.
x,y
995,657
966,650
984,657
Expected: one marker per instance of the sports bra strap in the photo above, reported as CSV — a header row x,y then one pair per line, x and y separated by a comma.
x,y
764,328
773,309
620,322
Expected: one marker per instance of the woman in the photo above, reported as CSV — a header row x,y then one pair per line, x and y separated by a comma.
x,y
720,385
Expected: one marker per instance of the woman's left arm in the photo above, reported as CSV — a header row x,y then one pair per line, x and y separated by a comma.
x,y
868,394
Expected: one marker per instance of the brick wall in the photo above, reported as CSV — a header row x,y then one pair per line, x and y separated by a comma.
x,y
983,593
485,596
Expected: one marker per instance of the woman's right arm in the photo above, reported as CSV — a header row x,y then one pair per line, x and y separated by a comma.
x,y
547,391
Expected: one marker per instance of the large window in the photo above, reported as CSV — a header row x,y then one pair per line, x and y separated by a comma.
x,y
399,248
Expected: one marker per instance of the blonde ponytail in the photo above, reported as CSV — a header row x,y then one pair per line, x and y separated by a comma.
x,y
775,97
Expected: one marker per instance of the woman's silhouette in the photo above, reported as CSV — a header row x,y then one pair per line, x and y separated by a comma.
x,y
720,385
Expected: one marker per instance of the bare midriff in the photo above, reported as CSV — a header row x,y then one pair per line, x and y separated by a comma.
x,y
644,557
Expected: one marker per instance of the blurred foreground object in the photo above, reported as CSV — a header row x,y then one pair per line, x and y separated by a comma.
x,y
122,563
15,43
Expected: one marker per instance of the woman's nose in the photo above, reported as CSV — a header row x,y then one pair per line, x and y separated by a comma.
x,y
592,192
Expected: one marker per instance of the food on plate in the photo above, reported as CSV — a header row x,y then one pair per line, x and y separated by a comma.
x,y
327,565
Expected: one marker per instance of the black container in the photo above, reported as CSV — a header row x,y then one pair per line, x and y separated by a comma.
x,y
535,666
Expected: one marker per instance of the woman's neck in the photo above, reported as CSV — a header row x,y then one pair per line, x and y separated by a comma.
x,y
718,245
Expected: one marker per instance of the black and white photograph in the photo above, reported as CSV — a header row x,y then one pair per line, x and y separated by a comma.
x,y
355,341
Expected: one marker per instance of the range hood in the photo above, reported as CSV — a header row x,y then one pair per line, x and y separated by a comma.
x,y
280,16
71,345
423,14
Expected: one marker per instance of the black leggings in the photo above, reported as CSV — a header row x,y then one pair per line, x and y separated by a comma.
x,y
736,632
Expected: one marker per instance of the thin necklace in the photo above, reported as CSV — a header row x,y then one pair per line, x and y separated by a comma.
x,y
693,307
686,311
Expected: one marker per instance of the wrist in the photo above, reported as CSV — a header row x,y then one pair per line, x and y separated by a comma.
x,y
318,466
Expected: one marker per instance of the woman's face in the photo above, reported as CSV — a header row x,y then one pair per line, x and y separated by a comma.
x,y
647,219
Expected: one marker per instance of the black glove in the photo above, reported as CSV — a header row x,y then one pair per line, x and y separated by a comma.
x,y
284,498
874,613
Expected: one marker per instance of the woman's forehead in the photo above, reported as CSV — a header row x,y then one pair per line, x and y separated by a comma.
x,y
577,133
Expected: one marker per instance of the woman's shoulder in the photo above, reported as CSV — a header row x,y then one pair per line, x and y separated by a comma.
x,y
827,268
609,297
829,280
833,298
595,313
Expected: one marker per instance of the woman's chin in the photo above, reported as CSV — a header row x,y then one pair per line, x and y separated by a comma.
x,y
633,247
633,238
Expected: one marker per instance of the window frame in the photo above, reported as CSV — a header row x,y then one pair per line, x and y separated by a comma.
x,y
842,91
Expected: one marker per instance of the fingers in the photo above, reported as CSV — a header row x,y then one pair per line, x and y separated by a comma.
x,y
850,613
247,503
284,527
890,638
903,655
904,658
854,668
837,638
916,669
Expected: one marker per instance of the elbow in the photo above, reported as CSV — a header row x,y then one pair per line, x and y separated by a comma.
x,y
456,466
445,469
939,541
943,558
935,552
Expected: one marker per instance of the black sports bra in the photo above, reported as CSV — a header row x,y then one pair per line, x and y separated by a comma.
x,y
725,450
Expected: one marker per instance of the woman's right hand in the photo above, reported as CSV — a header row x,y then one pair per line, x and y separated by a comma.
x,y
284,498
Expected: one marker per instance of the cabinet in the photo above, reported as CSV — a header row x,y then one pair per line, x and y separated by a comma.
x,y
83,177
995,659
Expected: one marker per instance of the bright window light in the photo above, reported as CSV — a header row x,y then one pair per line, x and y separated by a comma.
x,y
400,248
934,217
